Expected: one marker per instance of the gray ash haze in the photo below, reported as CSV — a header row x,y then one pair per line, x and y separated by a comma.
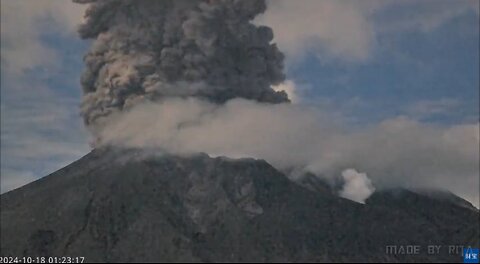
x,y
396,152
197,76
152,50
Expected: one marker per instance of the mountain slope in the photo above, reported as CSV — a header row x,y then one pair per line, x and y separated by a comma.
x,y
129,205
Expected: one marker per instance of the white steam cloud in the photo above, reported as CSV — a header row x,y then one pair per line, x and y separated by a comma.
x,y
395,152
357,186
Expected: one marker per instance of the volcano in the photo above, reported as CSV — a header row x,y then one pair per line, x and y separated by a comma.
x,y
136,205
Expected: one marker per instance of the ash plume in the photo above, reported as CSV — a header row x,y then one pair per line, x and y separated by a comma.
x,y
151,50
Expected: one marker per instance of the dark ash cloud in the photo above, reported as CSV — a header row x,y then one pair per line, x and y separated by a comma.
x,y
150,50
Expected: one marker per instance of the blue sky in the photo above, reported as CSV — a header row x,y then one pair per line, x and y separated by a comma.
x,y
406,67
367,60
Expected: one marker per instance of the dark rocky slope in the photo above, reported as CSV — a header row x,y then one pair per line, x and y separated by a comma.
x,y
129,205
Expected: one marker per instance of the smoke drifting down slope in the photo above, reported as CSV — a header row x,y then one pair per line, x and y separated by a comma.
x,y
396,152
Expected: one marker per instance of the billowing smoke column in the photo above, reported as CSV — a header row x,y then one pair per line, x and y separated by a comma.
x,y
147,50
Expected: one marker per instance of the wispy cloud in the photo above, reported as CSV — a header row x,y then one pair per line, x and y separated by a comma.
x,y
40,133
348,30
424,16
41,130
425,109
338,29
22,25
